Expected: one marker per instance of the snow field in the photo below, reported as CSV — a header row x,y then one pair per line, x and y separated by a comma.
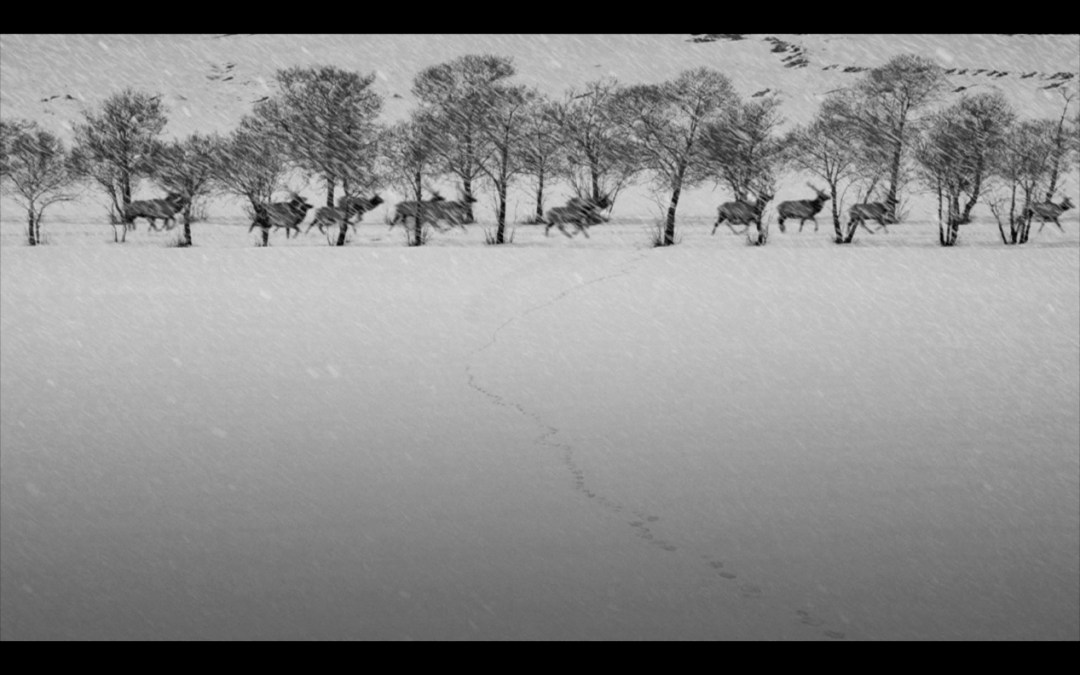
x,y
558,439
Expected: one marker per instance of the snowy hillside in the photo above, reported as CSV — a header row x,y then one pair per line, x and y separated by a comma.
x,y
52,78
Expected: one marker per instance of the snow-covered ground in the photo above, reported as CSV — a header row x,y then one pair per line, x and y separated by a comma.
x,y
557,439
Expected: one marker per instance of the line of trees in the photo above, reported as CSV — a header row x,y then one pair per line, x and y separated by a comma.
x,y
887,135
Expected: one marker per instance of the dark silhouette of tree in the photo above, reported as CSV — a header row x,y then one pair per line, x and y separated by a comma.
x,y
601,158
114,146
502,139
188,167
956,153
37,172
1024,163
1063,145
743,145
250,163
410,160
667,123
453,94
544,151
825,148
409,153
892,96
325,119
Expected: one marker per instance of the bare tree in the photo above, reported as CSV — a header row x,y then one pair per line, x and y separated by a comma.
x,y
502,137
1063,145
188,168
544,151
1024,163
115,145
409,154
601,158
824,148
10,130
453,95
250,163
668,123
956,152
743,146
37,173
892,97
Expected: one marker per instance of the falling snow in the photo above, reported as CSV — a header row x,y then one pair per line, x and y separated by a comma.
x,y
560,438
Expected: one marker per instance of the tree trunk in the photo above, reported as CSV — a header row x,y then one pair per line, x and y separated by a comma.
x,y
595,183
467,180
265,236
466,184
186,241
1012,215
954,219
125,199
669,225
540,197
500,231
1055,169
31,231
343,229
976,188
835,214
894,174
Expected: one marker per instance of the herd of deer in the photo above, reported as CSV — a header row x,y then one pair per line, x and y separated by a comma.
x,y
748,213
581,212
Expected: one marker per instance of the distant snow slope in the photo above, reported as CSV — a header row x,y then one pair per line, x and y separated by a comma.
x,y
39,72
560,439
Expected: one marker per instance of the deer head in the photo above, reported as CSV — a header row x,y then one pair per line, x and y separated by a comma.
x,y
821,194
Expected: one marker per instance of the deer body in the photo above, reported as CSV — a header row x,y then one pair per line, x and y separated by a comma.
x,y
803,209
1049,212
742,213
347,209
434,211
581,212
288,215
877,211
154,209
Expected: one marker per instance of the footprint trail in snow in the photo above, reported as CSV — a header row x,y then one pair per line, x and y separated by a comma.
x,y
641,523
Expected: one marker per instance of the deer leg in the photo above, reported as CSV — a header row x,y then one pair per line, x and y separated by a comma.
x,y
1059,225
736,232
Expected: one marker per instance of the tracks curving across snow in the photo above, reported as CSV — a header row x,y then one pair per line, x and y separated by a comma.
x,y
642,524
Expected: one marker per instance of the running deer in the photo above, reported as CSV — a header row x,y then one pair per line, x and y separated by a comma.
x,y
803,209
347,209
1048,211
878,211
288,215
742,212
581,212
154,209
